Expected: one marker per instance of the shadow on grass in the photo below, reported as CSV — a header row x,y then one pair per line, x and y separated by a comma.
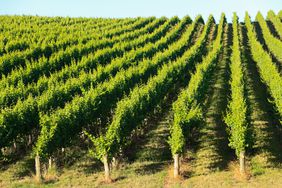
x,y
119,178
26,168
50,181
151,168
92,168
151,143
218,106
264,120
210,144
7,160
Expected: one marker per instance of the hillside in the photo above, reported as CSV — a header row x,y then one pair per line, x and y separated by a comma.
x,y
140,102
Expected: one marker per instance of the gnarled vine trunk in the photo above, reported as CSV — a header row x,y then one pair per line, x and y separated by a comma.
x,y
242,162
107,168
38,168
176,165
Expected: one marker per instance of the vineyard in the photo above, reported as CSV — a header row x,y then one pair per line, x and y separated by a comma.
x,y
181,97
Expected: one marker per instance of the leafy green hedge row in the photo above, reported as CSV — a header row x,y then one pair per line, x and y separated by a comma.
x,y
236,113
33,70
57,95
22,58
132,110
187,106
59,127
23,33
274,44
276,22
268,71
11,93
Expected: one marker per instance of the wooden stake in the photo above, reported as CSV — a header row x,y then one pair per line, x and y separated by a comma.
x,y
50,164
38,168
242,162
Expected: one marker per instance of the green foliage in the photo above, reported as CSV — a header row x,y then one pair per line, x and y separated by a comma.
x,y
54,86
35,69
60,76
13,122
133,109
276,22
57,93
44,42
280,14
236,114
268,71
187,107
100,146
274,44
99,100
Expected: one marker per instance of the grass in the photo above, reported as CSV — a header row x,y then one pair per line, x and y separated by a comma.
x,y
144,174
